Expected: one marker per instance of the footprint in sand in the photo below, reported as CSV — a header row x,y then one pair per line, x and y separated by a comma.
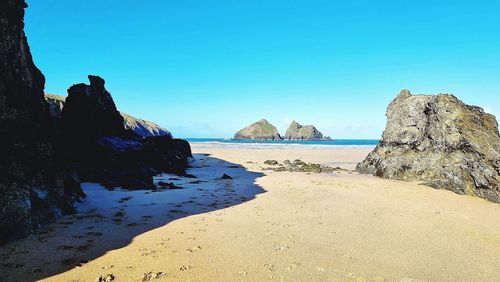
x,y
185,267
269,267
293,266
153,276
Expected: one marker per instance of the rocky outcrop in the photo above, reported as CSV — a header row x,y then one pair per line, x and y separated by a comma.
x,y
35,183
109,153
144,128
440,141
306,133
141,127
261,130
90,112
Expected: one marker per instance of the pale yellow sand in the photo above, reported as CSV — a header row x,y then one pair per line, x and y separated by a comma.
x,y
315,227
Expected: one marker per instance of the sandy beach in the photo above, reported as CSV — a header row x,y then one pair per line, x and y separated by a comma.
x,y
265,225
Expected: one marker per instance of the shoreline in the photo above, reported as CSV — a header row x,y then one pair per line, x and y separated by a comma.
x,y
266,225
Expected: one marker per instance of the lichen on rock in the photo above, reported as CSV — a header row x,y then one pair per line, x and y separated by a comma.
x,y
261,130
441,142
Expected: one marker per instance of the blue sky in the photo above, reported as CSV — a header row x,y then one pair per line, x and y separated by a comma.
x,y
208,68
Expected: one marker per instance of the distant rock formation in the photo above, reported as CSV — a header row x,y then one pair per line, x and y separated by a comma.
x,y
35,182
440,141
105,150
144,128
261,130
141,127
306,133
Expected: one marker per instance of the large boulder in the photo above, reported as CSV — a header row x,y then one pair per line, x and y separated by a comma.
x,y
297,131
261,130
440,141
140,127
34,184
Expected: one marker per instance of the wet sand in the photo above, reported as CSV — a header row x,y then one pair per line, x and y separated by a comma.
x,y
265,225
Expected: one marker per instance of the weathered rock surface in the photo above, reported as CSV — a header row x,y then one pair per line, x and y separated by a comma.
x,y
261,130
440,141
299,132
109,153
144,128
141,127
35,184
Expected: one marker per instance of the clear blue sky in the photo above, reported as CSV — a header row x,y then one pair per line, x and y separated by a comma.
x,y
208,68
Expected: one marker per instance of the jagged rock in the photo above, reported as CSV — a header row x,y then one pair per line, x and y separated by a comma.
x,y
32,174
140,127
107,152
90,112
299,132
440,141
225,176
261,130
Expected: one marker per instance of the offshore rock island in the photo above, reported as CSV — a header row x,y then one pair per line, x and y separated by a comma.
x,y
297,131
263,130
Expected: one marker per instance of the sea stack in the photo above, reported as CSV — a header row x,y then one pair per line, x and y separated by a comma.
x,y
261,130
297,131
441,142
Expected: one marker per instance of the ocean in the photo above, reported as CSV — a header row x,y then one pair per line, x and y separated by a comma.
x,y
337,142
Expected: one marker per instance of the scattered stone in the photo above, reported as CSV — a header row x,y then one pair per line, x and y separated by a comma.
x,y
225,176
271,162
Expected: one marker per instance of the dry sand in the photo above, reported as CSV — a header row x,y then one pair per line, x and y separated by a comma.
x,y
265,225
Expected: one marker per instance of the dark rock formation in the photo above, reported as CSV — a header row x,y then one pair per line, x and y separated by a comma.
x,y
261,130
33,174
90,112
440,141
299,132
109,153
140,127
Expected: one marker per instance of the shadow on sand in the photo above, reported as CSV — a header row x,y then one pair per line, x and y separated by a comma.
x,y
109,220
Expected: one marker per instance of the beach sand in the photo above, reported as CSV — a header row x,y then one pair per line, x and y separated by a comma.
x,y
264,225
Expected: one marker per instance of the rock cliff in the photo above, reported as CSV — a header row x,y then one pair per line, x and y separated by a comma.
x,y
299,132
261,130
35,182
141,127
440,141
